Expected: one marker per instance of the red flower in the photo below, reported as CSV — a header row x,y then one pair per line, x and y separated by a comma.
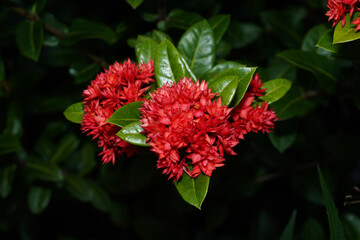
x,y
187,129
255,86
121,84
336,12
357,21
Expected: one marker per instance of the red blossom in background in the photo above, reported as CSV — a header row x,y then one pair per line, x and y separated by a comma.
x,y
186,126
112,89
357,22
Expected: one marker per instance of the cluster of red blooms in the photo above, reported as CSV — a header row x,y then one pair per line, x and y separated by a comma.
x,y
190,130
338,9
120,85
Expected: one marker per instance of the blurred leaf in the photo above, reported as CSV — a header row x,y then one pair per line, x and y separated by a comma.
x,y
84,29
74,113
226,86
60,56
282,142
219,25
275,89
292,104
326,42
242,34
100,199
131,133
84,73
289,229
279,68
51,41
312,37
67,145
158,36
193,190
9,143
223,49
197,45
178,18
352,226
336,229
78,188
51,19
346,33
125,115
170,65
220,68
134,3
313,230
46,172
147,51
29,38
38,6
7,175
324,69
38,199
2,75
86,162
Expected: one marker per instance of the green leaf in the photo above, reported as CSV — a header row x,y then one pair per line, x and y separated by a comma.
x,y
352,226
220,68
197,45
67,146
193,190
29,38
275,89
139,41
170,65
147,51
326,42
312,37
38,6
131,133
2,74
178,18
346,33
324,68
292,104
7,175
158,36
219,25
289,229
134,3
336,228
226,86
242,34
125,115
84,29
100,199
46,172
53,21
313,230
38,199
78,188
282,142
74,113
86,162
9,143
84,72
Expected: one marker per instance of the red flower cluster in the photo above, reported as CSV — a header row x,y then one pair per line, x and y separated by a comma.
x,y
190,131
120,85
338,9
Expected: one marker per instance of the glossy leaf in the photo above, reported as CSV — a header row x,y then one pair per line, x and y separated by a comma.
x,y
134,3
29,38
67,146
193,190
84,29
326,42
125,115
242,34
131,133
9,143
219,25
74,113
139,41
158,36
282,142
147,51
78,187
325,69
170,65
346,33
7,175
178,18
198,47
289,229
220,68
38,199
336,228
275,89
226,86
46,172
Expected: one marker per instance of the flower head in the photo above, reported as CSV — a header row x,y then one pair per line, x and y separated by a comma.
x,y
187,128
336,12
120,85
357,22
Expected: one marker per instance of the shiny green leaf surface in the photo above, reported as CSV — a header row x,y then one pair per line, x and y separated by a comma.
x,y
275,89
147,51
29,38
74,113
220,68
346,33
193,190
326,42
125,115
38,199
226,87
131,133
219,25
158,36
